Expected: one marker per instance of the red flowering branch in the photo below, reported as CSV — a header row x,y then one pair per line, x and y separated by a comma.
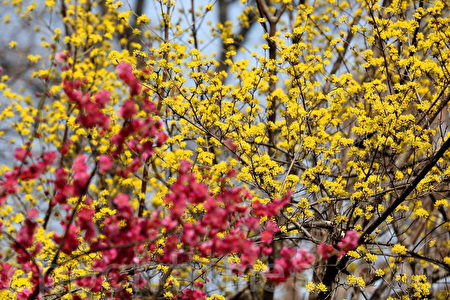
x,y
223,224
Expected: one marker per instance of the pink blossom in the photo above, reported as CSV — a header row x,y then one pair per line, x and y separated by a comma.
x,y
290,261
49,158
21,154
26,234
79,164
185,167
349,242
125,72
102,97
90,114
149,107
105,163
61,56
230,144
189,294
123,204
161,138
33,171
128,109
252,223
266,250
63,190
70,242
6,273
301,260
94,283
325,251
79,167
85,221
32,213
190,236
267,235
249,253
24,294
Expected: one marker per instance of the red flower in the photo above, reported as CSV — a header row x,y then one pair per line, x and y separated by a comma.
x,y
81,176
32,213
24,294
105,163
267,235
301,260
85,216
102,97
6,273
125,72
349,242
325,251
230,144
61,56
271,209
189,294
123,204
71,242
48,158
128,109
26,233
21,154
291,261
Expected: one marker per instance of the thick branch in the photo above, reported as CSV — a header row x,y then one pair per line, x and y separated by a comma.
x,y
408,190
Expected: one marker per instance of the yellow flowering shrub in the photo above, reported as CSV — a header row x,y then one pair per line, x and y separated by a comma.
x,y
306,137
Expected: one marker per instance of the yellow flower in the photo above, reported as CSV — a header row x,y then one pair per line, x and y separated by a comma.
x,y
310,286
215,297
321,287
398,248
18,218
353,254
441,202
356,280
34,58
370,257
142,19
421,212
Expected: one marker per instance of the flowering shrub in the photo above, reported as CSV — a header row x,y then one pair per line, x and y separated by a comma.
x,y
143,165
223,223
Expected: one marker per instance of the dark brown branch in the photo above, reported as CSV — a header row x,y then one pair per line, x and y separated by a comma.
x,y
408,190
